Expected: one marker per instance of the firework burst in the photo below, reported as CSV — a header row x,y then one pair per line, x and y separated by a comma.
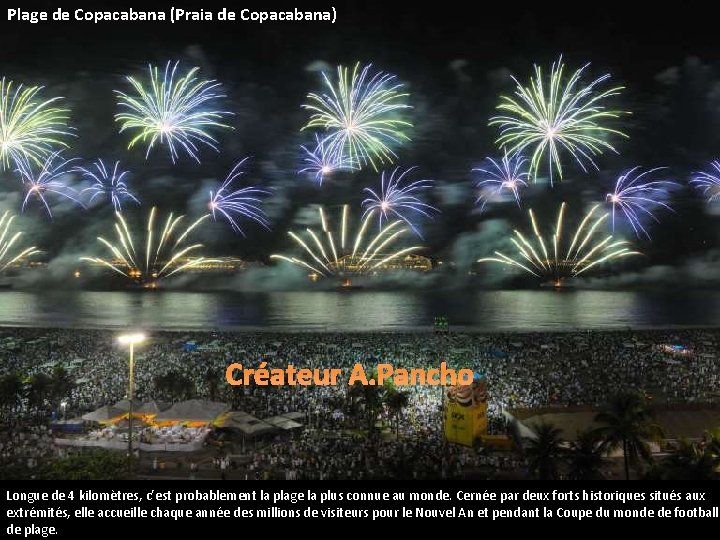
x,y
555,116
235,204
30,127
708,182
10,253
551,260
320,162
157,257
636,198
107,183
398,200
172,110
49,180
508,175
359,115
334,253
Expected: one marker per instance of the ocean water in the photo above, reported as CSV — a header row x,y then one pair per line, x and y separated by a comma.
x,y
360,310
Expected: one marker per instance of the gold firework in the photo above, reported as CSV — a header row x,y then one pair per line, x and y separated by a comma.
x,y
550,259
9,240
333,253
160,256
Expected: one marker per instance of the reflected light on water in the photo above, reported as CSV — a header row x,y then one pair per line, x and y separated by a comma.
x,y
360,310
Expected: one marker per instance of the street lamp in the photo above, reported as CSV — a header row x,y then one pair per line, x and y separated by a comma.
x,y
131,340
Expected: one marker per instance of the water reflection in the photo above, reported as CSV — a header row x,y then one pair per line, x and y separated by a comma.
x,y
361,310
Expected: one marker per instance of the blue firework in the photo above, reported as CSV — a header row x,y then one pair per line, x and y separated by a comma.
x,y
398,199
507,175
107,183
320,162
237,204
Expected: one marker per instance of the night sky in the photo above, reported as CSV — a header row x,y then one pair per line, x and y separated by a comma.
x,y
454,61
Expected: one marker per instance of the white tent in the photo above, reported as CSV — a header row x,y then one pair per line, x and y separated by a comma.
x,y
281,422
197,410
295,415
103,414
153,407
235,418
245,423
253,427
124,405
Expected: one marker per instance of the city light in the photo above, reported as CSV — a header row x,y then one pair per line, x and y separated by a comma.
x,y
131,339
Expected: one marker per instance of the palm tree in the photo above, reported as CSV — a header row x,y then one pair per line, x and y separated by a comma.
x,y
212,383
162,386
712,441
11,387
96,464
691,461
39,391
354,395
543,452
174,386
60,385
627,423
396,402
372,399
236,395
585,456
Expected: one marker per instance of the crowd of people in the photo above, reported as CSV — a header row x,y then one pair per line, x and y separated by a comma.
x,y
532,370
26,447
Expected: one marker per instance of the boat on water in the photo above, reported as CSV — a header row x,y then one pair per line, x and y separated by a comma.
x,y
149,286
346,286
558,284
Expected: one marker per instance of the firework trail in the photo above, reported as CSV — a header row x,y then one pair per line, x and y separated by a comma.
x,y
397,201
30,127
108,183
157,257
555,116
359,115
172,110
334,253
708,182
10,253
499,176
49,180
320,162
234,204
636,198
549,259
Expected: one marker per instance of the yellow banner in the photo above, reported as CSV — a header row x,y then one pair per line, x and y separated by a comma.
x,y
464,424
